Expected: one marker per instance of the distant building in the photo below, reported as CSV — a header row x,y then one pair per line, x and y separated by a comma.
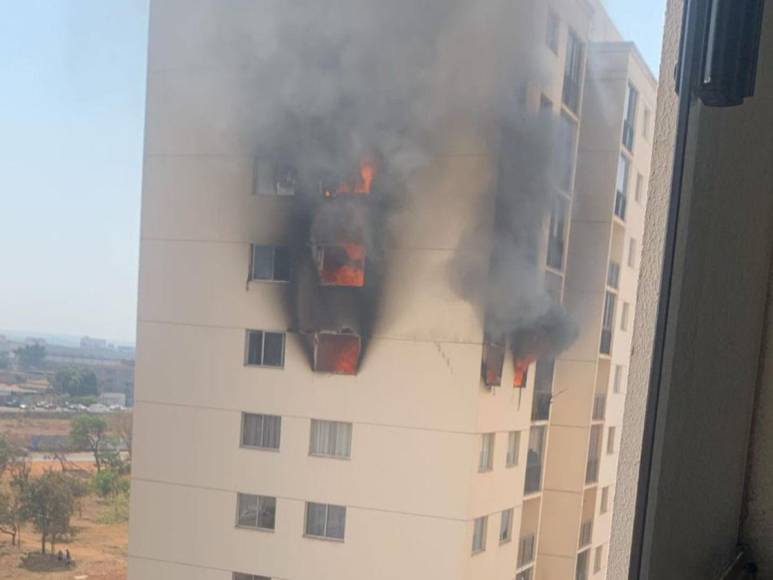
x,y
88,342
111,399
32,340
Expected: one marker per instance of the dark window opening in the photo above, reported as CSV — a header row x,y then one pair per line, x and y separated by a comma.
x,y
573,72
341,265
337,353
270,263
493,362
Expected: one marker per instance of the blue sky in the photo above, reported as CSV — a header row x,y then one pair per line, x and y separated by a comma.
x,y
71,125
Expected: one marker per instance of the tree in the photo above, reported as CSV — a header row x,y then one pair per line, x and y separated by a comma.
x,y
48,503
75,382
30,356
8,453
12,510
121,427
90,432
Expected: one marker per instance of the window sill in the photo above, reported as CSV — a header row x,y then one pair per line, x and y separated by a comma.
x,y
268,367
255,448
324,539
338,457
478,552
252,529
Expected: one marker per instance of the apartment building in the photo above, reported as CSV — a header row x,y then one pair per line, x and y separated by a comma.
x,y
269,447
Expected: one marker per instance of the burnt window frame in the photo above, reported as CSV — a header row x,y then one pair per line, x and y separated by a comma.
x,y
247,350
276,271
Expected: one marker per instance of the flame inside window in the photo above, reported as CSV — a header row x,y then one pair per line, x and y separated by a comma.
x,y
521,370
337,353
341,265
493,361
360,184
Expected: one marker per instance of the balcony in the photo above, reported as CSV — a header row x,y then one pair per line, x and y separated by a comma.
x,y
540,407
592,470
613,275
526,550
533,478
586,533
606,341
599,406
621,204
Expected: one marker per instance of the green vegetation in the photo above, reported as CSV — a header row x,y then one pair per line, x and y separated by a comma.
x,y
30,356
75,382
48,502
90,432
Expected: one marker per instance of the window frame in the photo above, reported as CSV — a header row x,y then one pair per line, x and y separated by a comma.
x,y
487,445
506,517
274,250
337,424
263,416
604,500
611,440
479,533
248,333
327,506
513,449
553,32
259,498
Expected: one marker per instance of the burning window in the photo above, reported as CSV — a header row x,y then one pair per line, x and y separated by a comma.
x,y
337,353
341,264
493,361
521,371
360,184
270,263
265,349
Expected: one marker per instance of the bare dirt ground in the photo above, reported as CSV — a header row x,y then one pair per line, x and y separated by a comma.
x,y
20,428
98,549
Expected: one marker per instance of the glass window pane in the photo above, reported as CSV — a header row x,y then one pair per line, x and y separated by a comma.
x,y
281,264
248,510
316,513
254,347
262,262
336,522
273,349
271,432
252,430
267,513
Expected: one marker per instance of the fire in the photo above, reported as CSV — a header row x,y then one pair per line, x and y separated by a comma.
x,y
342,265
493,360
337,353
522,365
361,185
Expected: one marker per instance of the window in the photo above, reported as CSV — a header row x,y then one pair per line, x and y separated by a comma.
x,y
506,526
331,439
645,125
486,452
581,572
325,521
639,188
238,576
256,511
607,323
270,263
552,31
617,379
545,104
534,459
597,558
526,550
573,72
513,442
604,503
271,178
565,151
594,451
611,441
613,275
543,390
621,192
265,349
632,253
624,316
557,233
479,534
261,431
629,116
525,574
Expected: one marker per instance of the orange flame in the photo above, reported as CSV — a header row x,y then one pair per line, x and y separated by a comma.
x,y
521,369
338,353
361,184
343,265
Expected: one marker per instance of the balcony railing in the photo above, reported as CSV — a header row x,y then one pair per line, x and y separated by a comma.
x,y
606,341
526,550
592,470
533,478
621,203
571,93
613,275
599,406
540,407
586,533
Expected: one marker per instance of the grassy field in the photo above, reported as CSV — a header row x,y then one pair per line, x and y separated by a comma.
x,y
98,547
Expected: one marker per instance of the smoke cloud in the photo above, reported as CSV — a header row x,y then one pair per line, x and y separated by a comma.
x,y
343,81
